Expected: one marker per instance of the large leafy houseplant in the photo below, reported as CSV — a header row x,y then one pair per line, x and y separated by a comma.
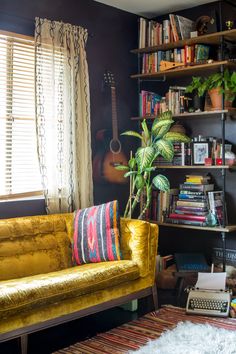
x,y
156,141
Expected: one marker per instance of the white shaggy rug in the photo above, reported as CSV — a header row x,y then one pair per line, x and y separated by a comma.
x,y
190,338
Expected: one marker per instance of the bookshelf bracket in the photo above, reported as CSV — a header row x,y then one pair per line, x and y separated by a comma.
x,y
153,80
223,250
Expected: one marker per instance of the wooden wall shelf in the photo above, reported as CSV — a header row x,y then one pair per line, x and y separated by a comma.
x,y
229,228
194,167
186,70
213,39
228,112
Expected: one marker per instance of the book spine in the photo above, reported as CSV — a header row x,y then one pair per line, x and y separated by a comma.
x,y
187,217
197,187
166,31
191,197
192,203
185,222
196,193
189,209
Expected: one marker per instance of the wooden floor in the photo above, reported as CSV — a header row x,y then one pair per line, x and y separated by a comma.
x,y
50,340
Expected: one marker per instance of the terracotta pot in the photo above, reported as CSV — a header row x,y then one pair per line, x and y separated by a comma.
x,y
216,99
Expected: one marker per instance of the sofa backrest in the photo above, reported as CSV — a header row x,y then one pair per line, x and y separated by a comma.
x,y
41,244
34,245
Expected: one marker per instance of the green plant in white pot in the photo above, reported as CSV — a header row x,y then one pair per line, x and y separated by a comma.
x,y
141,169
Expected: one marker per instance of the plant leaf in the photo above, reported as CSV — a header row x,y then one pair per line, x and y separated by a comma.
x,y
165,115
175,136
158,124
121,167
130,173
139,182
145,129
132,163
132,133
144,157
150,169
161,182
165,148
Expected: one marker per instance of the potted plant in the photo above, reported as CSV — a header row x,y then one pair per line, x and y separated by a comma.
x,y
218,84
198,88
156,141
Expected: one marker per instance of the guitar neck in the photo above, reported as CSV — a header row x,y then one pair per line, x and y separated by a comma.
x,y
114,113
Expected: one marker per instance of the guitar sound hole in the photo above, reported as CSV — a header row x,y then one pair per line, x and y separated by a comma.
x,y
115,146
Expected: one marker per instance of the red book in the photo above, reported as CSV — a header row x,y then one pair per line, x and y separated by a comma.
x,y
187,217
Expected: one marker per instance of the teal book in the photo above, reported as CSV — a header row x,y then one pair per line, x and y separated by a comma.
x,y
201,52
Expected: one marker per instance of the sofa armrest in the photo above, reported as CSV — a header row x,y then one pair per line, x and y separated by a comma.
x,y
139,241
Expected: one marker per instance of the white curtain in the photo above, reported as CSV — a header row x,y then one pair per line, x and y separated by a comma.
x,y
63,115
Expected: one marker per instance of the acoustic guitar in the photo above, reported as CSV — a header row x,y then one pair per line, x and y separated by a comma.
x,y
105,160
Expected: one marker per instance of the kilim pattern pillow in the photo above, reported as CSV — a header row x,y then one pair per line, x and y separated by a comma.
x,y
96,234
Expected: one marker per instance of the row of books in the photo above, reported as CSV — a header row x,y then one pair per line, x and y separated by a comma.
x,y
162,204
190,54
149,103
174,100
182,156
152,33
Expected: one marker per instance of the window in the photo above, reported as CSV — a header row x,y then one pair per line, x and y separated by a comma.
x,y
19,168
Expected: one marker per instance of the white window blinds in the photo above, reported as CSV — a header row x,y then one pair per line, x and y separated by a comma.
x,y
19,168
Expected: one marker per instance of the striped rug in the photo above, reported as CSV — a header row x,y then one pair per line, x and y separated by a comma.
x,y
135,334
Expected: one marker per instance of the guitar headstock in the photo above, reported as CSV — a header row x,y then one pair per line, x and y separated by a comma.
x,y
109,79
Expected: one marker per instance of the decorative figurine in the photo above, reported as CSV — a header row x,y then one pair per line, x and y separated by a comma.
x,y
229,24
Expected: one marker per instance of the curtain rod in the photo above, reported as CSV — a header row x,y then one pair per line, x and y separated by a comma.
x,y
90,35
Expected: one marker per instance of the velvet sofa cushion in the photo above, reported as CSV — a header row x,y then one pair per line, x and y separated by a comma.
x,y
40,290
96,234
34,245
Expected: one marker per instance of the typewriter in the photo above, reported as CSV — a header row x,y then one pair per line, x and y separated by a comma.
x,y
208,302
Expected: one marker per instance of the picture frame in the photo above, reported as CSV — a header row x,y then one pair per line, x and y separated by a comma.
x,y
200,151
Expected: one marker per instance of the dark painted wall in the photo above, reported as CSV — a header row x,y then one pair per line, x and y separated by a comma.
x,y
113,33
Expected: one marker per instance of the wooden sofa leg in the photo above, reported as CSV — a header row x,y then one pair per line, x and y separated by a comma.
x,y
24,343
155,297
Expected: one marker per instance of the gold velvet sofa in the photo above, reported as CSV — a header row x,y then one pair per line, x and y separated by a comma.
x,y
39,286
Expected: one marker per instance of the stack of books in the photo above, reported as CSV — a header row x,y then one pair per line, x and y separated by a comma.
x,y
192,206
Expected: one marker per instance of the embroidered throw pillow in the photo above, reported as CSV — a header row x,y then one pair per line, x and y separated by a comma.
x,y
96,234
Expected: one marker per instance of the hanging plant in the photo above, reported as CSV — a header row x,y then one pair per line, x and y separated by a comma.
x,y
141,169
